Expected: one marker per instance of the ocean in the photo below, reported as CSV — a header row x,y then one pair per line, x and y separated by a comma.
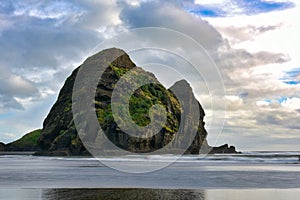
x,y
250,175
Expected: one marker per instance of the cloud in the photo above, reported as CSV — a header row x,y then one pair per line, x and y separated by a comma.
x,y
237,35
170,15
9,102
55,30
263,103
37,43
99,14
43,41
292,103
240,58
14,85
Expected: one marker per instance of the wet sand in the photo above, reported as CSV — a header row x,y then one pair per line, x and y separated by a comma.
x,y
148,194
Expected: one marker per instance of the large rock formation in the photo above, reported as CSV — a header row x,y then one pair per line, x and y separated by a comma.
x,y
60,137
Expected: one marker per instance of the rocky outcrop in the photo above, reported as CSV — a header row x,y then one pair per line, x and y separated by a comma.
x,y
223,149
59,135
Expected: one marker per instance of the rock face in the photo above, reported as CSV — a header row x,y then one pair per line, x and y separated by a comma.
x,y
2,146
60,137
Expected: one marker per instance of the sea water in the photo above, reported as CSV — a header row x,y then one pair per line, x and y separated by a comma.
x,y
263,175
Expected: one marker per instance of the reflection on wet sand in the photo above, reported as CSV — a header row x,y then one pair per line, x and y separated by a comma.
x,y
147,194
143,194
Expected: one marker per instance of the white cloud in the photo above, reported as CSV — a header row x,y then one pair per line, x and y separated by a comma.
x,y
12,87
4,23
233,102
262,103
236,35
291,103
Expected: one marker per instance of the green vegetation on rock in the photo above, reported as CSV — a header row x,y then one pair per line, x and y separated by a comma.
x,y
28,142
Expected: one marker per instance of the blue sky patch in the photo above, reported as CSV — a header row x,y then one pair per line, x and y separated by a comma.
x,y
243,95
282,99
205,11
238,7
292,82
6,115
251,7
291,77
293,73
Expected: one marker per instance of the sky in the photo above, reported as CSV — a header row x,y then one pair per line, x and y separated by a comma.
x,y
254,45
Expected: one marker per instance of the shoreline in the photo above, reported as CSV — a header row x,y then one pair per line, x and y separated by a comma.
x,y
21,153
